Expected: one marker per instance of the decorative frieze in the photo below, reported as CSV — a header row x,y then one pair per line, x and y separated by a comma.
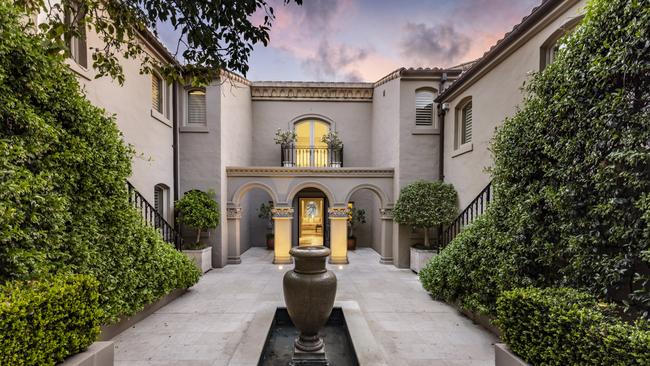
x,y
312,91
386,213
309,172
282,212
338,212
233,213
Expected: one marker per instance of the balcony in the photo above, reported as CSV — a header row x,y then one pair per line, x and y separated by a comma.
x,y
311,156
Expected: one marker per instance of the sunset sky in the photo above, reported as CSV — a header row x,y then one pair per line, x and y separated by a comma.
x,y
363,40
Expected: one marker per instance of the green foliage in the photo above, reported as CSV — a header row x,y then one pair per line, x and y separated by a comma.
x,y
63,200
561,326
44,321
212,35
571,175
265,211
355,217
198,210
424,204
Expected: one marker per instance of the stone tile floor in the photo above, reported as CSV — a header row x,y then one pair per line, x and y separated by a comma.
x,y
204,326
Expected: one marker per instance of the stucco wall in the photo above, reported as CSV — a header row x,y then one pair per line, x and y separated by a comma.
x,y
351,119
385,125
151,138
495,96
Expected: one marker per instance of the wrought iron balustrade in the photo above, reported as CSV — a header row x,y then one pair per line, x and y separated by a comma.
x,y
153,218
311,156
475,209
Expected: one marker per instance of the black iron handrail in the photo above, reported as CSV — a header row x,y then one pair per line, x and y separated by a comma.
x,y
311,156
475,209
153,218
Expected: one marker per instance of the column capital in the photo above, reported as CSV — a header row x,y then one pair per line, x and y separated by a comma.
x,y
386,213
338,212
233,213
282,212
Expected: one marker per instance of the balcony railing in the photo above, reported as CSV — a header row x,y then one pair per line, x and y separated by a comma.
x,y
311,156
153,218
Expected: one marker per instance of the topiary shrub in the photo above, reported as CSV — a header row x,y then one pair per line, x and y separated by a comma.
x,y
200,211
424,204
44,321
63,201
562,326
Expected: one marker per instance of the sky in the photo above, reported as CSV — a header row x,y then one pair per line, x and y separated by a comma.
x,y
364,40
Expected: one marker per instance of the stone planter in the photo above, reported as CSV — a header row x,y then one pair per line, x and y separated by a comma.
x,y
503,356
420,257
97,354
201,257
309,292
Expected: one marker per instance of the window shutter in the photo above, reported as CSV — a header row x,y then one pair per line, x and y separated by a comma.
x,y
424,108
467,123
196,107
156,93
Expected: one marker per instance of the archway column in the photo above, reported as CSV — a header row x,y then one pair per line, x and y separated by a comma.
x,y
338,217
233,215
283,219
386,236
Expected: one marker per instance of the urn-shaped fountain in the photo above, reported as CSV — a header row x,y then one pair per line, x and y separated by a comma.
x,y
309,292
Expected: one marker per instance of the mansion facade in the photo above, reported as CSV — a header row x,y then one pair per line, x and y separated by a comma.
x,y
425,123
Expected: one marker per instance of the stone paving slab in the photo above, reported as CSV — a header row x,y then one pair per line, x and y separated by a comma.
x,y
205,326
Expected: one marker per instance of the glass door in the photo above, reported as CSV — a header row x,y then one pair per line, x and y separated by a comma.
x,y
310,151
311,226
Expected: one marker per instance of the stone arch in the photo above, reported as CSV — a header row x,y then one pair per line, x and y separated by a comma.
x,y
241,191
314,116
383,198
311,184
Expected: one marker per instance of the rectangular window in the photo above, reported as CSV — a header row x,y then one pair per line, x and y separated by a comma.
x,y
156,93
424,108
466,128
196,107
76,44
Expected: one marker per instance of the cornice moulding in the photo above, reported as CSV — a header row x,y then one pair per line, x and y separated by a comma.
x,y
313,92
309,172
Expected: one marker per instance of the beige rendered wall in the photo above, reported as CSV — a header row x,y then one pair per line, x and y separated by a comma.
x,y
385,125
495,96
351,119
151,137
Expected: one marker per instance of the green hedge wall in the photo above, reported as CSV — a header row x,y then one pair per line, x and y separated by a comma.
x,y
561,326
571,176
42,322
63,200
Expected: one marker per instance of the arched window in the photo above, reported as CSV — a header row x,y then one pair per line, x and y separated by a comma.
x,y
160,199
463,130
553,44
424,107
310,151
196,107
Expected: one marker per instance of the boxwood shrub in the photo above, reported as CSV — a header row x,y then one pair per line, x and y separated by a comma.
x,y
562,326
44,321
63,202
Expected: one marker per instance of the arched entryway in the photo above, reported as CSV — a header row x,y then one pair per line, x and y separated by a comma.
x,y
311,226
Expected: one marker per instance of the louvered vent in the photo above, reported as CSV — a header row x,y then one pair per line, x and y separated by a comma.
x,y
156,93
196,107
424,108
467,123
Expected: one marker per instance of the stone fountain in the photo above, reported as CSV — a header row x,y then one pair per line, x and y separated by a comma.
x,y
309,292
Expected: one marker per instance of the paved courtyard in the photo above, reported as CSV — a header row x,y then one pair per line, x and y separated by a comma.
x,y
204,326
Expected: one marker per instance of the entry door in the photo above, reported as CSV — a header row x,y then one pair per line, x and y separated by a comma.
x,y
312,223
310,150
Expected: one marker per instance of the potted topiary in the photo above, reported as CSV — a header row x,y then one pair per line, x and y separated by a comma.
x,y
425,204
334,144
265,213
199,210
357,216
286,139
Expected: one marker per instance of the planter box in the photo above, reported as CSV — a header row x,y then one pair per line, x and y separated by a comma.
x,y
201,257
97,354
420,257
504,357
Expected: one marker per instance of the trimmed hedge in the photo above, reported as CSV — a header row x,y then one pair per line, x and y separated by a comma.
x,y
42,322
571,176
562,326
63,201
